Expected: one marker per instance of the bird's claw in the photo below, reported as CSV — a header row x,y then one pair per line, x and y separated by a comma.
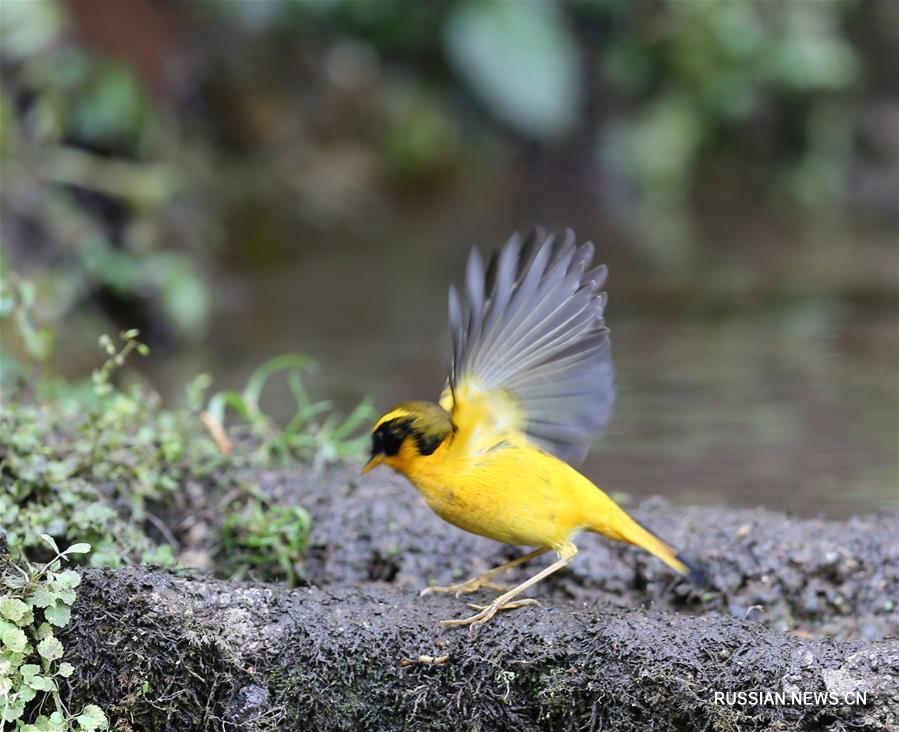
x,y
486,612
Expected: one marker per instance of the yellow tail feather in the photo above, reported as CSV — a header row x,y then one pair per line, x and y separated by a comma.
x,y
621,527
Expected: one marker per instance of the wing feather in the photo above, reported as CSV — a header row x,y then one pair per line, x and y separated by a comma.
x,y
531,328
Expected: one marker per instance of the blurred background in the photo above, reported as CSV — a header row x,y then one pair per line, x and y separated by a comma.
x,y
240,179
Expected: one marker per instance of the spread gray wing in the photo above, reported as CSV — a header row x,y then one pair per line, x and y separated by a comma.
x,y
531,324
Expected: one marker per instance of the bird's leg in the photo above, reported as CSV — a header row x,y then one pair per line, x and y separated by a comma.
x,y
506,601
484,580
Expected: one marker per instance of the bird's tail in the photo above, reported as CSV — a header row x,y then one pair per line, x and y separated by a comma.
x,y
616,524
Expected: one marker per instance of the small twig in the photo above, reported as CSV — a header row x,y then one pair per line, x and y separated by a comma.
x,y
424,660
760,608
217,432
164,530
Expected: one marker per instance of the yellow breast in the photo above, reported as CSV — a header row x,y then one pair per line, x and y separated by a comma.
x,y
513,493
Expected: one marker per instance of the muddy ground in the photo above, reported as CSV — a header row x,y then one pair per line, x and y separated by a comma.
x,y
620,642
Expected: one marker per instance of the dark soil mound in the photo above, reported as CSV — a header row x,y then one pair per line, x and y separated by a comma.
x,y
620,643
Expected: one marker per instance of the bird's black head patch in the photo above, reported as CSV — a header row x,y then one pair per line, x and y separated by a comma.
x,y
386,440
425,423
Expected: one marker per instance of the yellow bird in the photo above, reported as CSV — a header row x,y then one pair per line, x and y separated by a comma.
x,y
530,383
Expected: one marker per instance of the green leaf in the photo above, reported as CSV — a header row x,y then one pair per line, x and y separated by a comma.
x,y
80,548
54,723
69,579
43,596
41,724
58,615
14,710
67,597
521,60
284,362
13,608
14,639
17,659
91,718
51,541
28,671
228,398
65,669
50,648
42,683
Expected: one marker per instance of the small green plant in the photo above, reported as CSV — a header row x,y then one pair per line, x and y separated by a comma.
x,y
100,102
92,463
305,436
270,538
116,358
35,599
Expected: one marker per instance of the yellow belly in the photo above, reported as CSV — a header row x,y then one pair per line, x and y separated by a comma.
x,y
515,495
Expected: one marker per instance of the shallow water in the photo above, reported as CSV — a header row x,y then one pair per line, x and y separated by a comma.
x,y
756,358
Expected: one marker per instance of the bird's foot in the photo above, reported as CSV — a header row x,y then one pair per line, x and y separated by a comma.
x,y
487,612
463,588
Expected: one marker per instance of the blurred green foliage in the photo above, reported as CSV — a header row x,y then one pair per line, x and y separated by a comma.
x,y
88,178
292,114
713,70
675,82
17,302
521,60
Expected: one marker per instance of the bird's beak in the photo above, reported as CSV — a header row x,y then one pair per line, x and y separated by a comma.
x,y
375,461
